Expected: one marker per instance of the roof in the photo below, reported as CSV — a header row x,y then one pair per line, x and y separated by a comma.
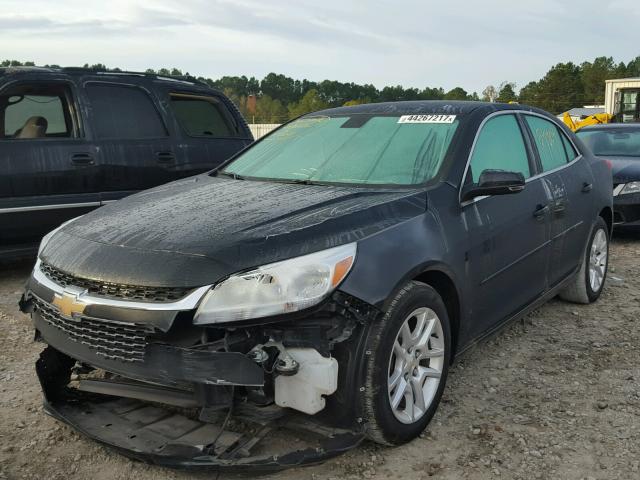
x,y
631,79
444,107
80,71
585,111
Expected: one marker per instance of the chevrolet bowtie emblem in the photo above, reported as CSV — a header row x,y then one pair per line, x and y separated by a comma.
x,y
68,304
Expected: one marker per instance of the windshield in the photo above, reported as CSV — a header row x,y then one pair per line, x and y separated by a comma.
x,y
622,142
357,149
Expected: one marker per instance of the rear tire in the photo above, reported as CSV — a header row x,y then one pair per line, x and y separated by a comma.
x,y
406,369
587,285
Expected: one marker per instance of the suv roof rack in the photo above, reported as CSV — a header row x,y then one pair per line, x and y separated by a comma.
x,y
170,78
80,70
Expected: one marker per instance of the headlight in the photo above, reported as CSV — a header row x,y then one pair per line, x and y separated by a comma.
x,y
47,237
631,187
277,288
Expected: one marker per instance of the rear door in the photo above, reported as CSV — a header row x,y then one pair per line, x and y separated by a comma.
x,y
135,147
209,128
48,170
570,180
508,234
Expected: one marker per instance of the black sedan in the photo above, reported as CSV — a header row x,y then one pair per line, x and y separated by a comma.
x,y
320,283
619,144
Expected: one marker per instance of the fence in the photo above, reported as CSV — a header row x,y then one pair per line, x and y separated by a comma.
x,y
261,129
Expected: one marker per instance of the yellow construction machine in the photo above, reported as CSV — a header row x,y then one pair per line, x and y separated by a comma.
x,y
590,120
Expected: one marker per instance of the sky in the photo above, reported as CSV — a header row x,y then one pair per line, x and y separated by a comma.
x,y
413,43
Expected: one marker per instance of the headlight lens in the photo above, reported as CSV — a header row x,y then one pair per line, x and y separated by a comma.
x,y
47,237
277,288
631,187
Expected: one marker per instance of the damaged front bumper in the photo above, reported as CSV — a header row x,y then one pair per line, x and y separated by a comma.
x,y
266,439
110,373
626,210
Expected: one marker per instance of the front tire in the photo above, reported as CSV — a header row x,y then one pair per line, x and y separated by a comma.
x,y
589,282
410,351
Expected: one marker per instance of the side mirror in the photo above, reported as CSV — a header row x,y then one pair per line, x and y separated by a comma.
x,y
494,182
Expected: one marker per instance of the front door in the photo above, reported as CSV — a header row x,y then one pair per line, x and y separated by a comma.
x,y
48,171
508,234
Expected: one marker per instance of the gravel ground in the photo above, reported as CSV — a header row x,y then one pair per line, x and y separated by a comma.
x,y
553,396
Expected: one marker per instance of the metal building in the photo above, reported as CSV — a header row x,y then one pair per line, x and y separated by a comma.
x,y
622,99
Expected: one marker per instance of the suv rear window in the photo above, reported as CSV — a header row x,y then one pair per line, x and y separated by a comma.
x,y
203,116
35,112
123,112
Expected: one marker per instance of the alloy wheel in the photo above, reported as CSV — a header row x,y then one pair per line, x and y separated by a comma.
x,y
598,260
415,365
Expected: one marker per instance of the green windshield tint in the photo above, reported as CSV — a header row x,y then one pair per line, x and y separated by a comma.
x,y
357,149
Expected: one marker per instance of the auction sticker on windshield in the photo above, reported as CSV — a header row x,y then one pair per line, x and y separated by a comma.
x,y
427,119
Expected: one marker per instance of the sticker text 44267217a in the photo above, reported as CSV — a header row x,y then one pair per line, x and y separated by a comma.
x,y
427,119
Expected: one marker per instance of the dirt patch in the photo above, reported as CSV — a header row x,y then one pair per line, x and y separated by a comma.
x,y
555,396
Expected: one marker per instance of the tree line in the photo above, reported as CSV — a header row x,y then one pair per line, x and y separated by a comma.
x,y
277,97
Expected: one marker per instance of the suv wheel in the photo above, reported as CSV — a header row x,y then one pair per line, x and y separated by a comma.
x,y
588,283
408,365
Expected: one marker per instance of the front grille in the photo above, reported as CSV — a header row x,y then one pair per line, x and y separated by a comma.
x,y
108,339
115,290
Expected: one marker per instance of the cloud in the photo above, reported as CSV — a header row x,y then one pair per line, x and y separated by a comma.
x,y
385,42
40,24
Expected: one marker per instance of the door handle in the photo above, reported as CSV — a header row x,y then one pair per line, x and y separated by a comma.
x,y
541,211
82,159
587,187
559,207
165,157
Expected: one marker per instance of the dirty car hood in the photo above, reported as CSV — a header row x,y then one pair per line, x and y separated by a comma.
x,y
198,230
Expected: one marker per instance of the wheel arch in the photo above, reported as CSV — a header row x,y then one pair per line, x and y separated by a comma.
x,y
607,215
444,284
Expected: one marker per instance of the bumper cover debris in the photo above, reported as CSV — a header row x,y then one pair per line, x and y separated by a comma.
x,y
255,438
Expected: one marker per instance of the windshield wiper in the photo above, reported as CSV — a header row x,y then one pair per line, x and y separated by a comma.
x,y
235,176
301,181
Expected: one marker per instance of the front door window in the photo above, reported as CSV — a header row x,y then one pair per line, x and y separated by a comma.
x,y
34,112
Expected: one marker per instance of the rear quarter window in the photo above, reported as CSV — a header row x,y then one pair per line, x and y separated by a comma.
x,y
203,116
569,148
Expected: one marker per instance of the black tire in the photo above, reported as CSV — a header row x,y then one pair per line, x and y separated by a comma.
x,y
382,425
580,290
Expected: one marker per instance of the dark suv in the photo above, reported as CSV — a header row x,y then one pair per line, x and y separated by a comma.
x,y
74,139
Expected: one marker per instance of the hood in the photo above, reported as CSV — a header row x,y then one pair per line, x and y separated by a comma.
x,y
199,230
624,169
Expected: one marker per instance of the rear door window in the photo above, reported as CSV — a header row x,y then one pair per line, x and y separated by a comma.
x,y
203,116
500,146
123,112
36,112
549,142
